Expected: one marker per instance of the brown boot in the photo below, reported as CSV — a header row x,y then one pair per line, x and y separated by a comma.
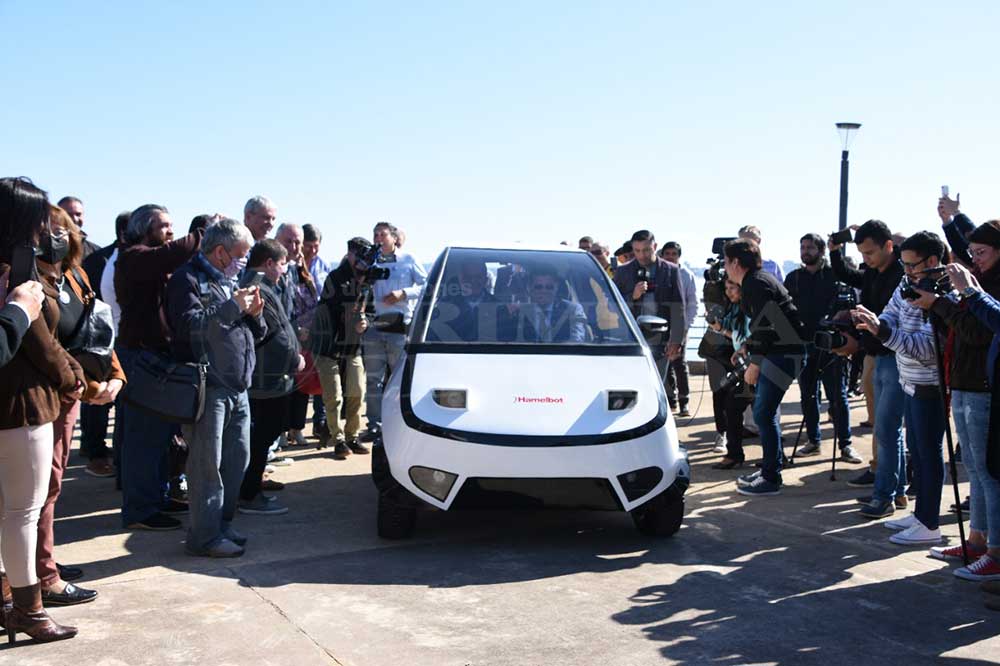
x,y
28,617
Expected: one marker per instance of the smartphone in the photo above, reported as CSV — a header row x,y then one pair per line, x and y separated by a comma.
x,y
944,191
255,280
842,236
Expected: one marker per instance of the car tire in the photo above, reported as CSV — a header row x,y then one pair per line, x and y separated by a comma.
x,y
660,517
394,521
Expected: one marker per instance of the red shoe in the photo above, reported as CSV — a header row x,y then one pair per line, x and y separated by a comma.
x,y
985,568
955,552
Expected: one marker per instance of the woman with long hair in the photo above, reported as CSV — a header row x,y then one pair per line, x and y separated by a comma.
x,y
104,378
33,386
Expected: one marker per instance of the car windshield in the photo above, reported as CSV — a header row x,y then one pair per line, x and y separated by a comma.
x,y
523,297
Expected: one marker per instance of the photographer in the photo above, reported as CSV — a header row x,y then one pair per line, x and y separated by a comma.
x,y
903,328
814,290
877,282
775,347
732,395
395,298
335,341
975,411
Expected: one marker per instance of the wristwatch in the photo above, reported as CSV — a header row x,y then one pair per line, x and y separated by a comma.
x,y
969,292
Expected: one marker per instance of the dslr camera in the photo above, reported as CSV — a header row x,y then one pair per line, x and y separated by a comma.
x,y
735,376
934,280
832,333
367,265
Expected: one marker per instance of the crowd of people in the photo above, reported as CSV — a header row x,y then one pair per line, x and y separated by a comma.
x,y
256,328
919,324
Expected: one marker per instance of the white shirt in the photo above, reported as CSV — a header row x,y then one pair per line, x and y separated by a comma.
x,y
108,288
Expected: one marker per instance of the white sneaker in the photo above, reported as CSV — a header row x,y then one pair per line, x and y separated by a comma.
x,y
901,523
916,535
296,438
720,443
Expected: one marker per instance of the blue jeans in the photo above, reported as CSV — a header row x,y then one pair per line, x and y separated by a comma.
x,y
924,434
218,451
776,375
972,422
145,443
890,473
382,352
830,368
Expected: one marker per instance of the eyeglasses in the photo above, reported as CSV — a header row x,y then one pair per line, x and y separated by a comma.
x,y
543,287
912,267
982,251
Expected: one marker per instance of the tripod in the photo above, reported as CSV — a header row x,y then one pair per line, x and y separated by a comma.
x,y
822,368
952,467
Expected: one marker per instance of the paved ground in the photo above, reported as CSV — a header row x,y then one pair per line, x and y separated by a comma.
x,y
796,579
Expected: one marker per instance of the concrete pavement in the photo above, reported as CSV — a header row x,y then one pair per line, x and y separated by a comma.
x,y
794,579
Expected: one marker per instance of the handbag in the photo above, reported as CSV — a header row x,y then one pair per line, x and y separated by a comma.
x,y
92,341
170,390
307,381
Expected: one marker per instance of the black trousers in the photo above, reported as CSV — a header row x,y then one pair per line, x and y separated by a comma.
x,y
94,431
737,399
268,419
678,385
298,405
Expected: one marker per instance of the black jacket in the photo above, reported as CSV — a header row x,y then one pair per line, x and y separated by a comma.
x,y
278,352
876,290
13,325
970,343
333,332
775,327
208,326
668,292
94,266
813,294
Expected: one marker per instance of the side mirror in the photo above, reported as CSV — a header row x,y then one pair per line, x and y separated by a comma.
x,y
652,324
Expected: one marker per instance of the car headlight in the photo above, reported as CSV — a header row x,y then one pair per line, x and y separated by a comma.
x,y
451,398
621,400
435,482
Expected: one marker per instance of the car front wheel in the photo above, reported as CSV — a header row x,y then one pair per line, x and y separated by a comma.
x,y
660,517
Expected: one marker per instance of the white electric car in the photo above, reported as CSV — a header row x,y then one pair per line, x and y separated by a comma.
x,y
526,382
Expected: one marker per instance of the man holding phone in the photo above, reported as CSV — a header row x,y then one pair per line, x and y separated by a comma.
x,y
877,281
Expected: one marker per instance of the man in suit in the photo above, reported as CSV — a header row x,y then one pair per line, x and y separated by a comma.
x,y
652,286
467,311
546,318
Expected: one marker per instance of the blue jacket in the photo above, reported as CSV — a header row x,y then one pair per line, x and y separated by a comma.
x,y
208,326
987,310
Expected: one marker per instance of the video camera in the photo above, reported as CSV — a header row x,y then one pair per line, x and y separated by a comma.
x,y
367,265
715,280
832,333
735,376
935,280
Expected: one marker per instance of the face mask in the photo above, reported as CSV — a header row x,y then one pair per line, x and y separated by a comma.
x,y
53,249
235,267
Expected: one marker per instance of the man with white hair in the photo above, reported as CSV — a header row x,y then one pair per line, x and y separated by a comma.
x,y
259,215
215,323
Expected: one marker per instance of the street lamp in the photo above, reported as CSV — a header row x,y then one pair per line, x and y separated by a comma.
x,y
847,131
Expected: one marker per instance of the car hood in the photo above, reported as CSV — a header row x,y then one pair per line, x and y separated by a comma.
x,y
533,394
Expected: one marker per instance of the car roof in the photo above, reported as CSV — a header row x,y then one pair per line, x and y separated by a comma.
x,y
514,246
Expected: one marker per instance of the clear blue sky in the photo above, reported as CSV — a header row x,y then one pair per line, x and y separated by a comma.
x,y
506,120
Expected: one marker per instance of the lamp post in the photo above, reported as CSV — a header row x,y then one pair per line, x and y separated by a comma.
x,y
847,131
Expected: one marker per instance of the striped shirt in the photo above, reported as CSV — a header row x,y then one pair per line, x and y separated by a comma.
x,y
911,337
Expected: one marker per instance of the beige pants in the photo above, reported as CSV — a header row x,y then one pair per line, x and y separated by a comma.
x,y
335,394
25,465
868,386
